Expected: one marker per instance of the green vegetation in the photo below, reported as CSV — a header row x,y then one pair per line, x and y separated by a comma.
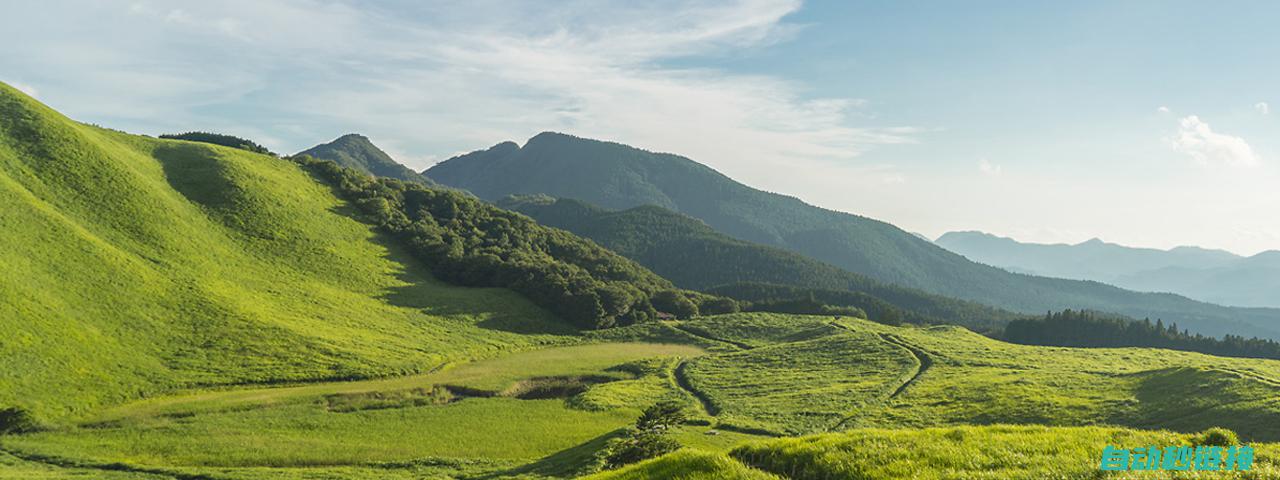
x,y
472,243
375,422
693,255
134,267
994,452
800,374
687,465
220,139
649,438
1091,329
358,153
616,176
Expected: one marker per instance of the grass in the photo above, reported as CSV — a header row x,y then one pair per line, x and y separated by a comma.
x,y
807,370
134,267
363,423
687,465
987,452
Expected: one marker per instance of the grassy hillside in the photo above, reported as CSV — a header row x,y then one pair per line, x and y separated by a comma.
x,y
994,452
357,152
617,176
825,374
693,255
134,266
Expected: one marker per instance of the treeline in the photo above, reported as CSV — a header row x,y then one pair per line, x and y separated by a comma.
x,y
468,242
788,299
220,139
1071,328
693,255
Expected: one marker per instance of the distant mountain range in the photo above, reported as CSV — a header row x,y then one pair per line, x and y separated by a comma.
x,y
357,152
617,176
1213,276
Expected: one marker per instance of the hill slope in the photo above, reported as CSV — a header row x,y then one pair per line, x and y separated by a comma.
x,y
1208,275
133,266
616,176
693,255
357,152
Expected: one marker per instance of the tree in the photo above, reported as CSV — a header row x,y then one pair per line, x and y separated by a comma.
x,y
675,303
16,420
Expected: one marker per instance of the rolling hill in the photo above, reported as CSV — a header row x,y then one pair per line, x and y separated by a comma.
x,y
693,255
134,266
357,152
617,176
1208,275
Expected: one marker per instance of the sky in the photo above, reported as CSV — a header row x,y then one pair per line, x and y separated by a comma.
x,y
1145,123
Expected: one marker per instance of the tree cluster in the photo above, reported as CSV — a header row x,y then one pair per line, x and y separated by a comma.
x,y
469,242
648,438
1071,328
220,139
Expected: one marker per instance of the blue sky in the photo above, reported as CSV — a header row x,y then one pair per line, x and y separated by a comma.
x,y
1143,123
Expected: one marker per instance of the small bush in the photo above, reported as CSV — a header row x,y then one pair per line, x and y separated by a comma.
x,y
16,420
1217,437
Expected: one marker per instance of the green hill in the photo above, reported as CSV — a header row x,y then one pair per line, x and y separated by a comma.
x,y
133,266
357,152
693,255
617,176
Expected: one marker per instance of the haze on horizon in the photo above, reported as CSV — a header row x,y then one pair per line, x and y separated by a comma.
x,y
1144,123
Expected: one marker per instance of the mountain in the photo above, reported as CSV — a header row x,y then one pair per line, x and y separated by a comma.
x,y
1208,275
693,255
357,152
617,176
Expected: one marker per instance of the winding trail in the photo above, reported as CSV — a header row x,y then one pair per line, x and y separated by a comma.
x,y
923,363
682,380
706,336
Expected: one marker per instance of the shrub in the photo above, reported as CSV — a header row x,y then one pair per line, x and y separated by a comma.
x,y
1217,437
16,420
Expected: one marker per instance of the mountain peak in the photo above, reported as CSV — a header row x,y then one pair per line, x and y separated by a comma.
x,y
356,151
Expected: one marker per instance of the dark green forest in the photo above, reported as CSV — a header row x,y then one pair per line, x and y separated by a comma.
x,y
220,139
693,255
1071,328
469,242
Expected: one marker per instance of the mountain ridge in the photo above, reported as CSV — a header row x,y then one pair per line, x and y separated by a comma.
x,y
356,151
615,176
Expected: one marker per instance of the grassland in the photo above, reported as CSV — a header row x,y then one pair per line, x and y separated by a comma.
x,y
968,453
814,374
133,267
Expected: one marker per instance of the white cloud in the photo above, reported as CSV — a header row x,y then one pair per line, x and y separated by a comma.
x,y
1262,108
989,169
1208,147
1162,109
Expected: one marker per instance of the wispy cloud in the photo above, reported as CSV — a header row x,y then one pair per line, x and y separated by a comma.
x,y
1262,108
989,169
1162,109
431,79
1196,139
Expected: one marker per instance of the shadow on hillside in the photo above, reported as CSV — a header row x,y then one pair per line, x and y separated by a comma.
x,y
196,173
569,462
1192,399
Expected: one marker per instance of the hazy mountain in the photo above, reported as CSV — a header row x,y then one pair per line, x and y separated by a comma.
x,y
1209,275
617,176
357,152
693,255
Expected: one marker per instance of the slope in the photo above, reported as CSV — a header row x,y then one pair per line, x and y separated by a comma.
x,y
133,266
1207,275
617,176
693,255
357,152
